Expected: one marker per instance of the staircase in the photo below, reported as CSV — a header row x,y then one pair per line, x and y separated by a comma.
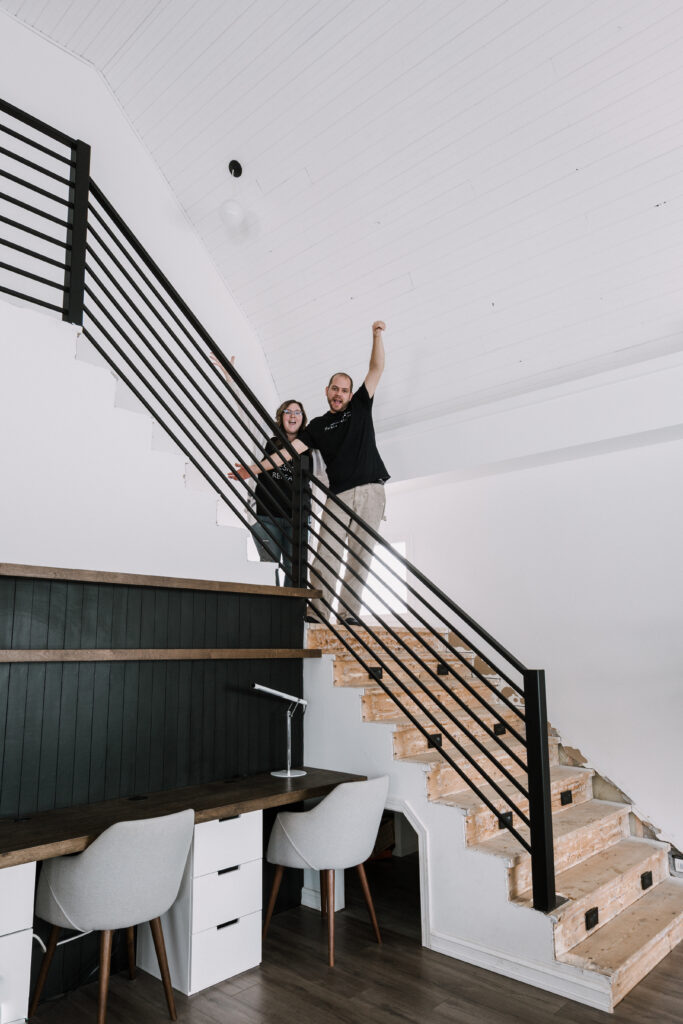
x,y
619,912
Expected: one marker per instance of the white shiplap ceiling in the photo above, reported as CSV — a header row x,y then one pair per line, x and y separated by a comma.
x,y
500,181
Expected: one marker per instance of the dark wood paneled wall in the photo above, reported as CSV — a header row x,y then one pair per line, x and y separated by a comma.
x,y
78,733
75,733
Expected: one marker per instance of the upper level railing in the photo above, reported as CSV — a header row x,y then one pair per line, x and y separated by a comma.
x,y
66,248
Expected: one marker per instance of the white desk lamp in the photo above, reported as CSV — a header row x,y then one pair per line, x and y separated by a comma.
x,y
288,772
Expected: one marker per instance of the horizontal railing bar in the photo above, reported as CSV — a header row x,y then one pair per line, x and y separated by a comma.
x,y
34,209
484,634
201,366
33,231
35,167
155,414
442,753
121,225
169,371
222,395
354,593
34,122
34,277
31,298
36,145
31,252
359,538
35,188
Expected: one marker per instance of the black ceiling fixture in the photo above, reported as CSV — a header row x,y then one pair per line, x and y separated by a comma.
x,y
235,168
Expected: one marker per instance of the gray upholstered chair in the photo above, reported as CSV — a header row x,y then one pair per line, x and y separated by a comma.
x,y
130,874
338,833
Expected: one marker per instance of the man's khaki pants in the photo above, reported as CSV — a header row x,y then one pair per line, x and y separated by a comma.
x,y
367,501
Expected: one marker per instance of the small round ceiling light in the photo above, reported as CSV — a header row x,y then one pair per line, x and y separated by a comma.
x,y
235,168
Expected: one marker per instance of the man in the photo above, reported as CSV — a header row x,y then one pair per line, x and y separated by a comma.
x,y
345,437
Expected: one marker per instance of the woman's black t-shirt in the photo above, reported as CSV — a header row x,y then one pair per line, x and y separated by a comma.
x,y
346,441
273,493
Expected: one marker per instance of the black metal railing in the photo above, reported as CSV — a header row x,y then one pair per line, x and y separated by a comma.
x,y
464,693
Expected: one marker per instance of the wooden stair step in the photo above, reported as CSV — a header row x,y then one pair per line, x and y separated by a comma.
x,y
409,740
348,672
443,779
380,706
579,832
609,881
481,823
635,941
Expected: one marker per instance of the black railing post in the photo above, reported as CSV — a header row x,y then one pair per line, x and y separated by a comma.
x,y
540,810
301,508
74,277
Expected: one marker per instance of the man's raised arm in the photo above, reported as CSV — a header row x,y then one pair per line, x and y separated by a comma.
x,y
270,462
376,357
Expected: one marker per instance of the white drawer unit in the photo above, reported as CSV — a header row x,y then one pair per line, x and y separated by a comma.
x,y
213,930
16,929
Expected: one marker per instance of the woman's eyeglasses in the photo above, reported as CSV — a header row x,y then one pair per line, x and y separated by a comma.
x,y
292,412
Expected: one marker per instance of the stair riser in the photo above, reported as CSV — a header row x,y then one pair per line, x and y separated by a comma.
x,y
442,779
610,899
572,849
381,707
349,673
326,641
635,970
484,825
410,741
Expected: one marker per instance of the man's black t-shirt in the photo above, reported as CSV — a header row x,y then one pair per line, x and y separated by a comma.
x,y
346,441
273,494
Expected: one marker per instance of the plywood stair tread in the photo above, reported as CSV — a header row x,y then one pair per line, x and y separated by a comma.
x,y
575,818
630,945
491,747
560,777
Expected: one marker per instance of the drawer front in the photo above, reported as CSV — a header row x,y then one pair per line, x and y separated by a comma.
x,y
15,974
222,844
220,953
16,898
225,895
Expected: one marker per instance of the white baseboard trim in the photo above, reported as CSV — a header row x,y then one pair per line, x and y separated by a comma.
x,y
585,987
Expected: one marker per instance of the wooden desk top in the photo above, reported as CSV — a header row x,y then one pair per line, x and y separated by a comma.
x,y
70,830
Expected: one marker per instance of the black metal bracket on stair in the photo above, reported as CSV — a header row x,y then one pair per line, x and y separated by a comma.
x,y
435,739
592,918
500,728
442,669
566,797
505,820
375,672
646,880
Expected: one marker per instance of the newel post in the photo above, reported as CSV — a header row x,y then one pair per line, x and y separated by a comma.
x,y
540,809
301,509
74,276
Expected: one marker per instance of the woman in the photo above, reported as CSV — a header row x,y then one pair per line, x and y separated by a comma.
x,y
273,494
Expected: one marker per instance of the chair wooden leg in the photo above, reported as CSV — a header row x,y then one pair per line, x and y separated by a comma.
x,y
105,967
160,947
330,915
323,893
279,871
44,968
368,899
130,941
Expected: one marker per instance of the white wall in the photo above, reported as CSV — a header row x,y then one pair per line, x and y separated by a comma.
x,y
576,567
86,484
40,78
81,486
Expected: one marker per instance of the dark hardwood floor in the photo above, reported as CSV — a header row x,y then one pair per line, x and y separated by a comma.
x,y
397,982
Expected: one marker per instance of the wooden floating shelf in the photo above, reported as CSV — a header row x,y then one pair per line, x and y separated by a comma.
x,y
43,572
9,656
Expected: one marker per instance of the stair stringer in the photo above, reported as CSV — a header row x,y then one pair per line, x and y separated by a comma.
x,y
466,913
